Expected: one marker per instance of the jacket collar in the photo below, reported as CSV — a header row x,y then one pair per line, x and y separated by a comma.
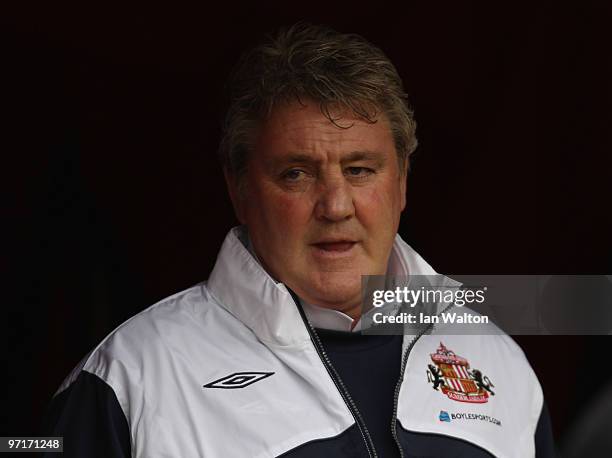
x,y
242,286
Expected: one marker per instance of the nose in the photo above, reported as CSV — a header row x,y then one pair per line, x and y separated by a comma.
x,y
334,200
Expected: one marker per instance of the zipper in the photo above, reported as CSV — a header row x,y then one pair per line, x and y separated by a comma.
x,y
401,379
346,396
397,390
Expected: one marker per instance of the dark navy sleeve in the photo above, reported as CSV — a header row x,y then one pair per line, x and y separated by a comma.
x,y
544,440
88,416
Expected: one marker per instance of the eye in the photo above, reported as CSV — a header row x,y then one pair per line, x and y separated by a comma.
x,y
359,172
293,175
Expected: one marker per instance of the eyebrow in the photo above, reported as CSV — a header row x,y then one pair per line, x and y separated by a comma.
x,y
303,158
364,156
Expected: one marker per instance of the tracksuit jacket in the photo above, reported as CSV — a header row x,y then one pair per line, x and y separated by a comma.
x,y
232,367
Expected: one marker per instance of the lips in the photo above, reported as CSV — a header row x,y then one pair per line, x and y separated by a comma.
x,y
335,246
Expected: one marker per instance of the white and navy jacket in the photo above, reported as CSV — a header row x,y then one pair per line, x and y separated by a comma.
x,y
232,368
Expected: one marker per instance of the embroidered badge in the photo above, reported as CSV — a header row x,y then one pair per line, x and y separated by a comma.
x,y
451,374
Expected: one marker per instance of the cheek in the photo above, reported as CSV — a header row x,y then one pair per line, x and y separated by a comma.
x,y
288,207
281,212
378,205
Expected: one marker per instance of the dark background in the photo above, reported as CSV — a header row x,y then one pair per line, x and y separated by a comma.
x,y
114,198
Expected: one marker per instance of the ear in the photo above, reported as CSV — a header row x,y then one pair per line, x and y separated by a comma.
x,y
403,178
235,195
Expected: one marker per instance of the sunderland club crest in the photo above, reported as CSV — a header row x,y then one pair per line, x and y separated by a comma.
x,y
451,375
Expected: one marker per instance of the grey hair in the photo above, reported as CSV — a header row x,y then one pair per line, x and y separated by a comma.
x,y
313,62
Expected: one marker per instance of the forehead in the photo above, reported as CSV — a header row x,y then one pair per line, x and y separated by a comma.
x,y
303,128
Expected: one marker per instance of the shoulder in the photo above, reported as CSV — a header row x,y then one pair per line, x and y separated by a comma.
x,y
149,338
93,407
490,352
477,387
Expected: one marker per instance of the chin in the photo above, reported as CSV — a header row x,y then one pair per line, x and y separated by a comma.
x,y
337,288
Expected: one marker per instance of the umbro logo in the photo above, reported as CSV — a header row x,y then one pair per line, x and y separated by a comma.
x,y
238,380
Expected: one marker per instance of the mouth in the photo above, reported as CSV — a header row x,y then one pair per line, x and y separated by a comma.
x,y
335,246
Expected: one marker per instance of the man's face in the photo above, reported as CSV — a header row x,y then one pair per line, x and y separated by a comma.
x,y
322,204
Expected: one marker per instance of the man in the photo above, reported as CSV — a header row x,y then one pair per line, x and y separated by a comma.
x,y
265,358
